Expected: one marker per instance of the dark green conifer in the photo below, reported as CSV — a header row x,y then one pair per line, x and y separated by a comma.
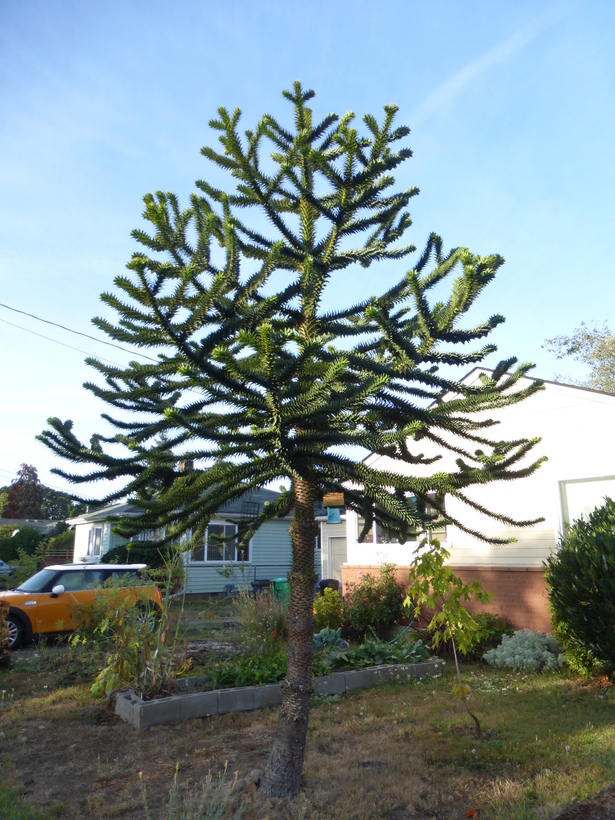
x,y
257,380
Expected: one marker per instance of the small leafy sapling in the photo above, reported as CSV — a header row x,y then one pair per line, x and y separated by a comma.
x,y
435,587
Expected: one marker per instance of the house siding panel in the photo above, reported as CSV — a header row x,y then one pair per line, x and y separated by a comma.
x,y
271,556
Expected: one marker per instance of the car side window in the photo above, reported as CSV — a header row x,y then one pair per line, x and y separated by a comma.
x,y
125,579
76,581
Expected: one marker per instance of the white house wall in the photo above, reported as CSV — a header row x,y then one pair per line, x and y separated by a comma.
x,y
82,533
576,428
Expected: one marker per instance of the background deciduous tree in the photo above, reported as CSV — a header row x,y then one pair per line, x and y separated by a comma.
x,y
258,378
595,347
25,495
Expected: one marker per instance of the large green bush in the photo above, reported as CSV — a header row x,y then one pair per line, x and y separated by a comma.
x,y
27,539
581,582
328,610
373,604
138,552
490,630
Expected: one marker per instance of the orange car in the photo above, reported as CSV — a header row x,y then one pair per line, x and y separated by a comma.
x,y
46,604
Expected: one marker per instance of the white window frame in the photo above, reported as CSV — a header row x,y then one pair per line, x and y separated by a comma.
x,y
94,542
220,561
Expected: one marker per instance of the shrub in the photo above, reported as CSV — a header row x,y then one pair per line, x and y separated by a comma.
x,y
328,610
534,651
139,552
28,540
157,558
61,542
373,604
581,584
489,633
254,670
372,652
144,644
24,567
262,621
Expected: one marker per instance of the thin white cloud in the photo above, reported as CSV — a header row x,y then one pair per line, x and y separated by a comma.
x,y
445,93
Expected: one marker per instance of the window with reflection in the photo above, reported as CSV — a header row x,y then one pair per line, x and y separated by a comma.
x,y
220,545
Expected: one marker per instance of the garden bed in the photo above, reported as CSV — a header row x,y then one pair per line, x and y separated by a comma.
x,y
145,714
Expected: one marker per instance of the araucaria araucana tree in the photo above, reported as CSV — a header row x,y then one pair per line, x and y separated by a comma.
x,y
257,379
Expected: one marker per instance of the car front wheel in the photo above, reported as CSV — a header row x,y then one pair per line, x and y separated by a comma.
x,y
148,616
16,632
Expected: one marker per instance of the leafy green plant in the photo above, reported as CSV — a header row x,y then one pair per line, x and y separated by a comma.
x,y
434,586
373,604
24,566
328,639
140,552
581,583
329,647
372,652
579,658
262,621
27,539
328,610
144,643
490,629
253,670
534,651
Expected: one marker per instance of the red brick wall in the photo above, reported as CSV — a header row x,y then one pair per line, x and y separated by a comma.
x,y
519,593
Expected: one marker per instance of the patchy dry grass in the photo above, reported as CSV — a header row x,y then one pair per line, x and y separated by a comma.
x,y
394,752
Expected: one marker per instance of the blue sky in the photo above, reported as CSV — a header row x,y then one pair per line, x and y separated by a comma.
x,y
512,118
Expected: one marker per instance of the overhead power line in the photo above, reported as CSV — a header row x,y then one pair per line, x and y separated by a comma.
x,y
50,339
51,486
70,330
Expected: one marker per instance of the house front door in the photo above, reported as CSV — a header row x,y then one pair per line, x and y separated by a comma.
x,y
337,556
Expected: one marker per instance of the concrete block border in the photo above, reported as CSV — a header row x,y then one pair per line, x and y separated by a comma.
x,y
143,714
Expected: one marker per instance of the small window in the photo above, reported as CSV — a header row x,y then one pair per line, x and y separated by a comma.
x,y
76,581
368,538
94,541
385,535
220,544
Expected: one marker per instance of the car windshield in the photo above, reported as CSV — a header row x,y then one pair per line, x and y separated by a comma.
x,y
37,582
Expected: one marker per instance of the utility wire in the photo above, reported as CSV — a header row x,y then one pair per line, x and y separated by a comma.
x,y
76,332
78,349
50,339
51,486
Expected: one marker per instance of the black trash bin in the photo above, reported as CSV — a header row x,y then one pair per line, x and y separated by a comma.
x,y
260,586
329,583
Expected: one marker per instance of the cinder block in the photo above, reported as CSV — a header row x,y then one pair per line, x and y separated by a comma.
x,y
158,712
236,700
269,695
362,679
200,704
126,704
333,684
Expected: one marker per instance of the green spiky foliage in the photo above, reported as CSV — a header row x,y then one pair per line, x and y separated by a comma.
x,y
255,378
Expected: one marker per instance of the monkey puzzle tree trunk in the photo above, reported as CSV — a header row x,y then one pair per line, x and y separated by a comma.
x,y
282,776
